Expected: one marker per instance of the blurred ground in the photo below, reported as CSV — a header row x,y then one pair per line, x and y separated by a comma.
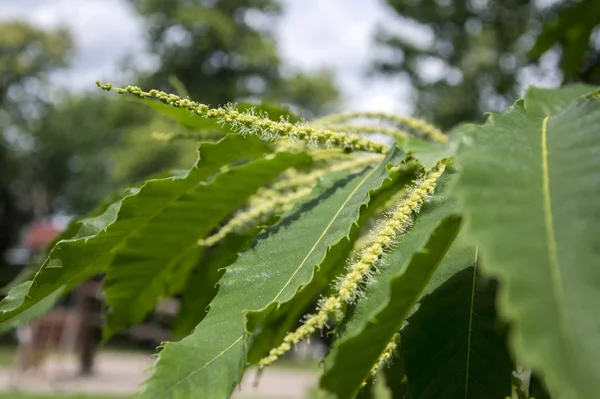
x,y
119,374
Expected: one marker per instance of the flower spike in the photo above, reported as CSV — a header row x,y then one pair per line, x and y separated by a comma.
x,y
348,288
420,126
259,125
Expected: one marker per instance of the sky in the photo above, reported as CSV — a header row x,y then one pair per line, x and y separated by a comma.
x,y
311,34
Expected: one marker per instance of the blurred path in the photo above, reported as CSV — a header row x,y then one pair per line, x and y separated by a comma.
x,y
121,374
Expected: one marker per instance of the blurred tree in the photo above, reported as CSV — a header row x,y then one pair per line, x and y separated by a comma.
x,y
224,50
87,146
573,27
27,55
72,162
465,57
315,94
211,46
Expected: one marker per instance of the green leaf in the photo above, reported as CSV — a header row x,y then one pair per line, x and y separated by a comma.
x,y
67,265
166,222
529,188
367,392
91,250
428,153
201,285
179,277
544,102
388,301
14,299
437,208
209,362
356,356
285,318
453,344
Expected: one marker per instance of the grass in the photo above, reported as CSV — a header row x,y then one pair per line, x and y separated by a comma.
x,y
21,395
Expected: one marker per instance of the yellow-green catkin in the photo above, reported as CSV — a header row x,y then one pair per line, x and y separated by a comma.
x,y
397,134
398,223
259,125
312,323
281,197
293,180
425,128
349,286
309,178
386,356
410,166
267,206
519,387
284,144
329,155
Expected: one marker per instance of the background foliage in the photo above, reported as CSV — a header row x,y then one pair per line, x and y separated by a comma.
x,y
484,51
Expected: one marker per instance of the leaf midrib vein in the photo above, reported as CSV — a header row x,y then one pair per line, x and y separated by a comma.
x,y
553,262
467,376
205,365
324,233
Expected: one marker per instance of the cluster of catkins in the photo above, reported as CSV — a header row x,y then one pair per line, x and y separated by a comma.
x,y
337,131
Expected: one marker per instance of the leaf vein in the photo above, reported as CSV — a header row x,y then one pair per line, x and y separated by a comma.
x,y
470,326
187,377
555,275
333,219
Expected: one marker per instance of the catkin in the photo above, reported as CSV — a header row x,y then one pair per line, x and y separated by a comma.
x,y
251,124
267,206
308,178
278,198
426,129
386,355
398,223
349,286
398,134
